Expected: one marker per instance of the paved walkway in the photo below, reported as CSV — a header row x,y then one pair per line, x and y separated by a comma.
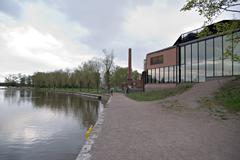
x,y
148,131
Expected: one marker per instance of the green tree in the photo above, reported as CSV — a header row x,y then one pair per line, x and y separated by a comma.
x,y
135,75
119,76
211,9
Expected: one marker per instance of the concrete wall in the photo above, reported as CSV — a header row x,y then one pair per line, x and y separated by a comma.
x,y
169,58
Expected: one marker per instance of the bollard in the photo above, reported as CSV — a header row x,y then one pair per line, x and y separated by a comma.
x,y
89,132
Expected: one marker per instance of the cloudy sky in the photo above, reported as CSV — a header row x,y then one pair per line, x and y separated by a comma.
x,y
45,35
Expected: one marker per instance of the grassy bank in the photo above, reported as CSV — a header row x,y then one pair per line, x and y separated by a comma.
x,y
229,95
159,94
83,90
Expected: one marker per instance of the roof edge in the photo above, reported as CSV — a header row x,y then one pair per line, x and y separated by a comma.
x,y
162,49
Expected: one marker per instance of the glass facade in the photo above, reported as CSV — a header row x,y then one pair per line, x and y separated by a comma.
x,y
227,55
154,75
157,75
194,62
218,56
209,57
212,57
236,53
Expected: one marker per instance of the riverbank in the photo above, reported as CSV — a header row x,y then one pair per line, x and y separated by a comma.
x,y
169,129
90,93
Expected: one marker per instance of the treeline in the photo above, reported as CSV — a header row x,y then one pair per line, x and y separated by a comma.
x,y
18,80
92,74
85,76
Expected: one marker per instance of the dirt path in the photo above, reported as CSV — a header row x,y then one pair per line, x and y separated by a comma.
x,y
147,130
192,97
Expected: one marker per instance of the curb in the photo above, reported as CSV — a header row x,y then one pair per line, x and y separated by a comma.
x,y
86,149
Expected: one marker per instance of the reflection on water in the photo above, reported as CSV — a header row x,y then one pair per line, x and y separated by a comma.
x,y
42,125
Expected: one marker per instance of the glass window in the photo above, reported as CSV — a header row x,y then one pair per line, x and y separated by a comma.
x,y
218,56
188,63
194,62
157,75
182,73
182,55
236,53
166,74
157,60
201,63
161,75
154,75
209,54
227,54
149,76
171,74
174,73
177,73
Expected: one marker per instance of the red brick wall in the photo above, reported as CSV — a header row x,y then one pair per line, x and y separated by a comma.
x,y
169,58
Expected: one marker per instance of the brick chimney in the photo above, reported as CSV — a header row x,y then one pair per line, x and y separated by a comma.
x,y
129,66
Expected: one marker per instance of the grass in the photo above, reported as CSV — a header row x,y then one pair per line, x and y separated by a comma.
x,y
229,95
159,94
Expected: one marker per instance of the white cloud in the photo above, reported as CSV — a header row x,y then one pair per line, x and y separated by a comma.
x,y
147,28
48,36
161,22
42,39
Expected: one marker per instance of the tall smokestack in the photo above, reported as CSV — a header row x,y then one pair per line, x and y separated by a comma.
x,y
129,65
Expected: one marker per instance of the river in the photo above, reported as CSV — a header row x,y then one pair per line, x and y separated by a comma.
x,y
38,125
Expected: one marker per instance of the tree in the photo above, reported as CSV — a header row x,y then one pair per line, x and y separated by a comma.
x,y
23,79
29,81
135,75
11,79
108,64
211,9
119,76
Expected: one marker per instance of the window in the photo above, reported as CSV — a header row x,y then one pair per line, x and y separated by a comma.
x,y
161,74
166,74
177,73
154,75
218,56
182,55
182,67
195,62
171,74
157,60
227,54
182,73
157,75
236,53
188,63
201,63
174,73
149,76
209,54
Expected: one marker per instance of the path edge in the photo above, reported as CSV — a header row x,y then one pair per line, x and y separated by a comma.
x,y
84,153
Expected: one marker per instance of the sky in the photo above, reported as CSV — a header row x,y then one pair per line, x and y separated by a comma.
x,y
46,35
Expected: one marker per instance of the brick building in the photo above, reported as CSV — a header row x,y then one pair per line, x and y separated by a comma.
x,y
195,58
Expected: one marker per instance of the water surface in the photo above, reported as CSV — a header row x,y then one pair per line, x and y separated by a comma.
x,y
41,125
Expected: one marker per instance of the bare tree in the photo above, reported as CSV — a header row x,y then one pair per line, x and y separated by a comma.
x,y
108,65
